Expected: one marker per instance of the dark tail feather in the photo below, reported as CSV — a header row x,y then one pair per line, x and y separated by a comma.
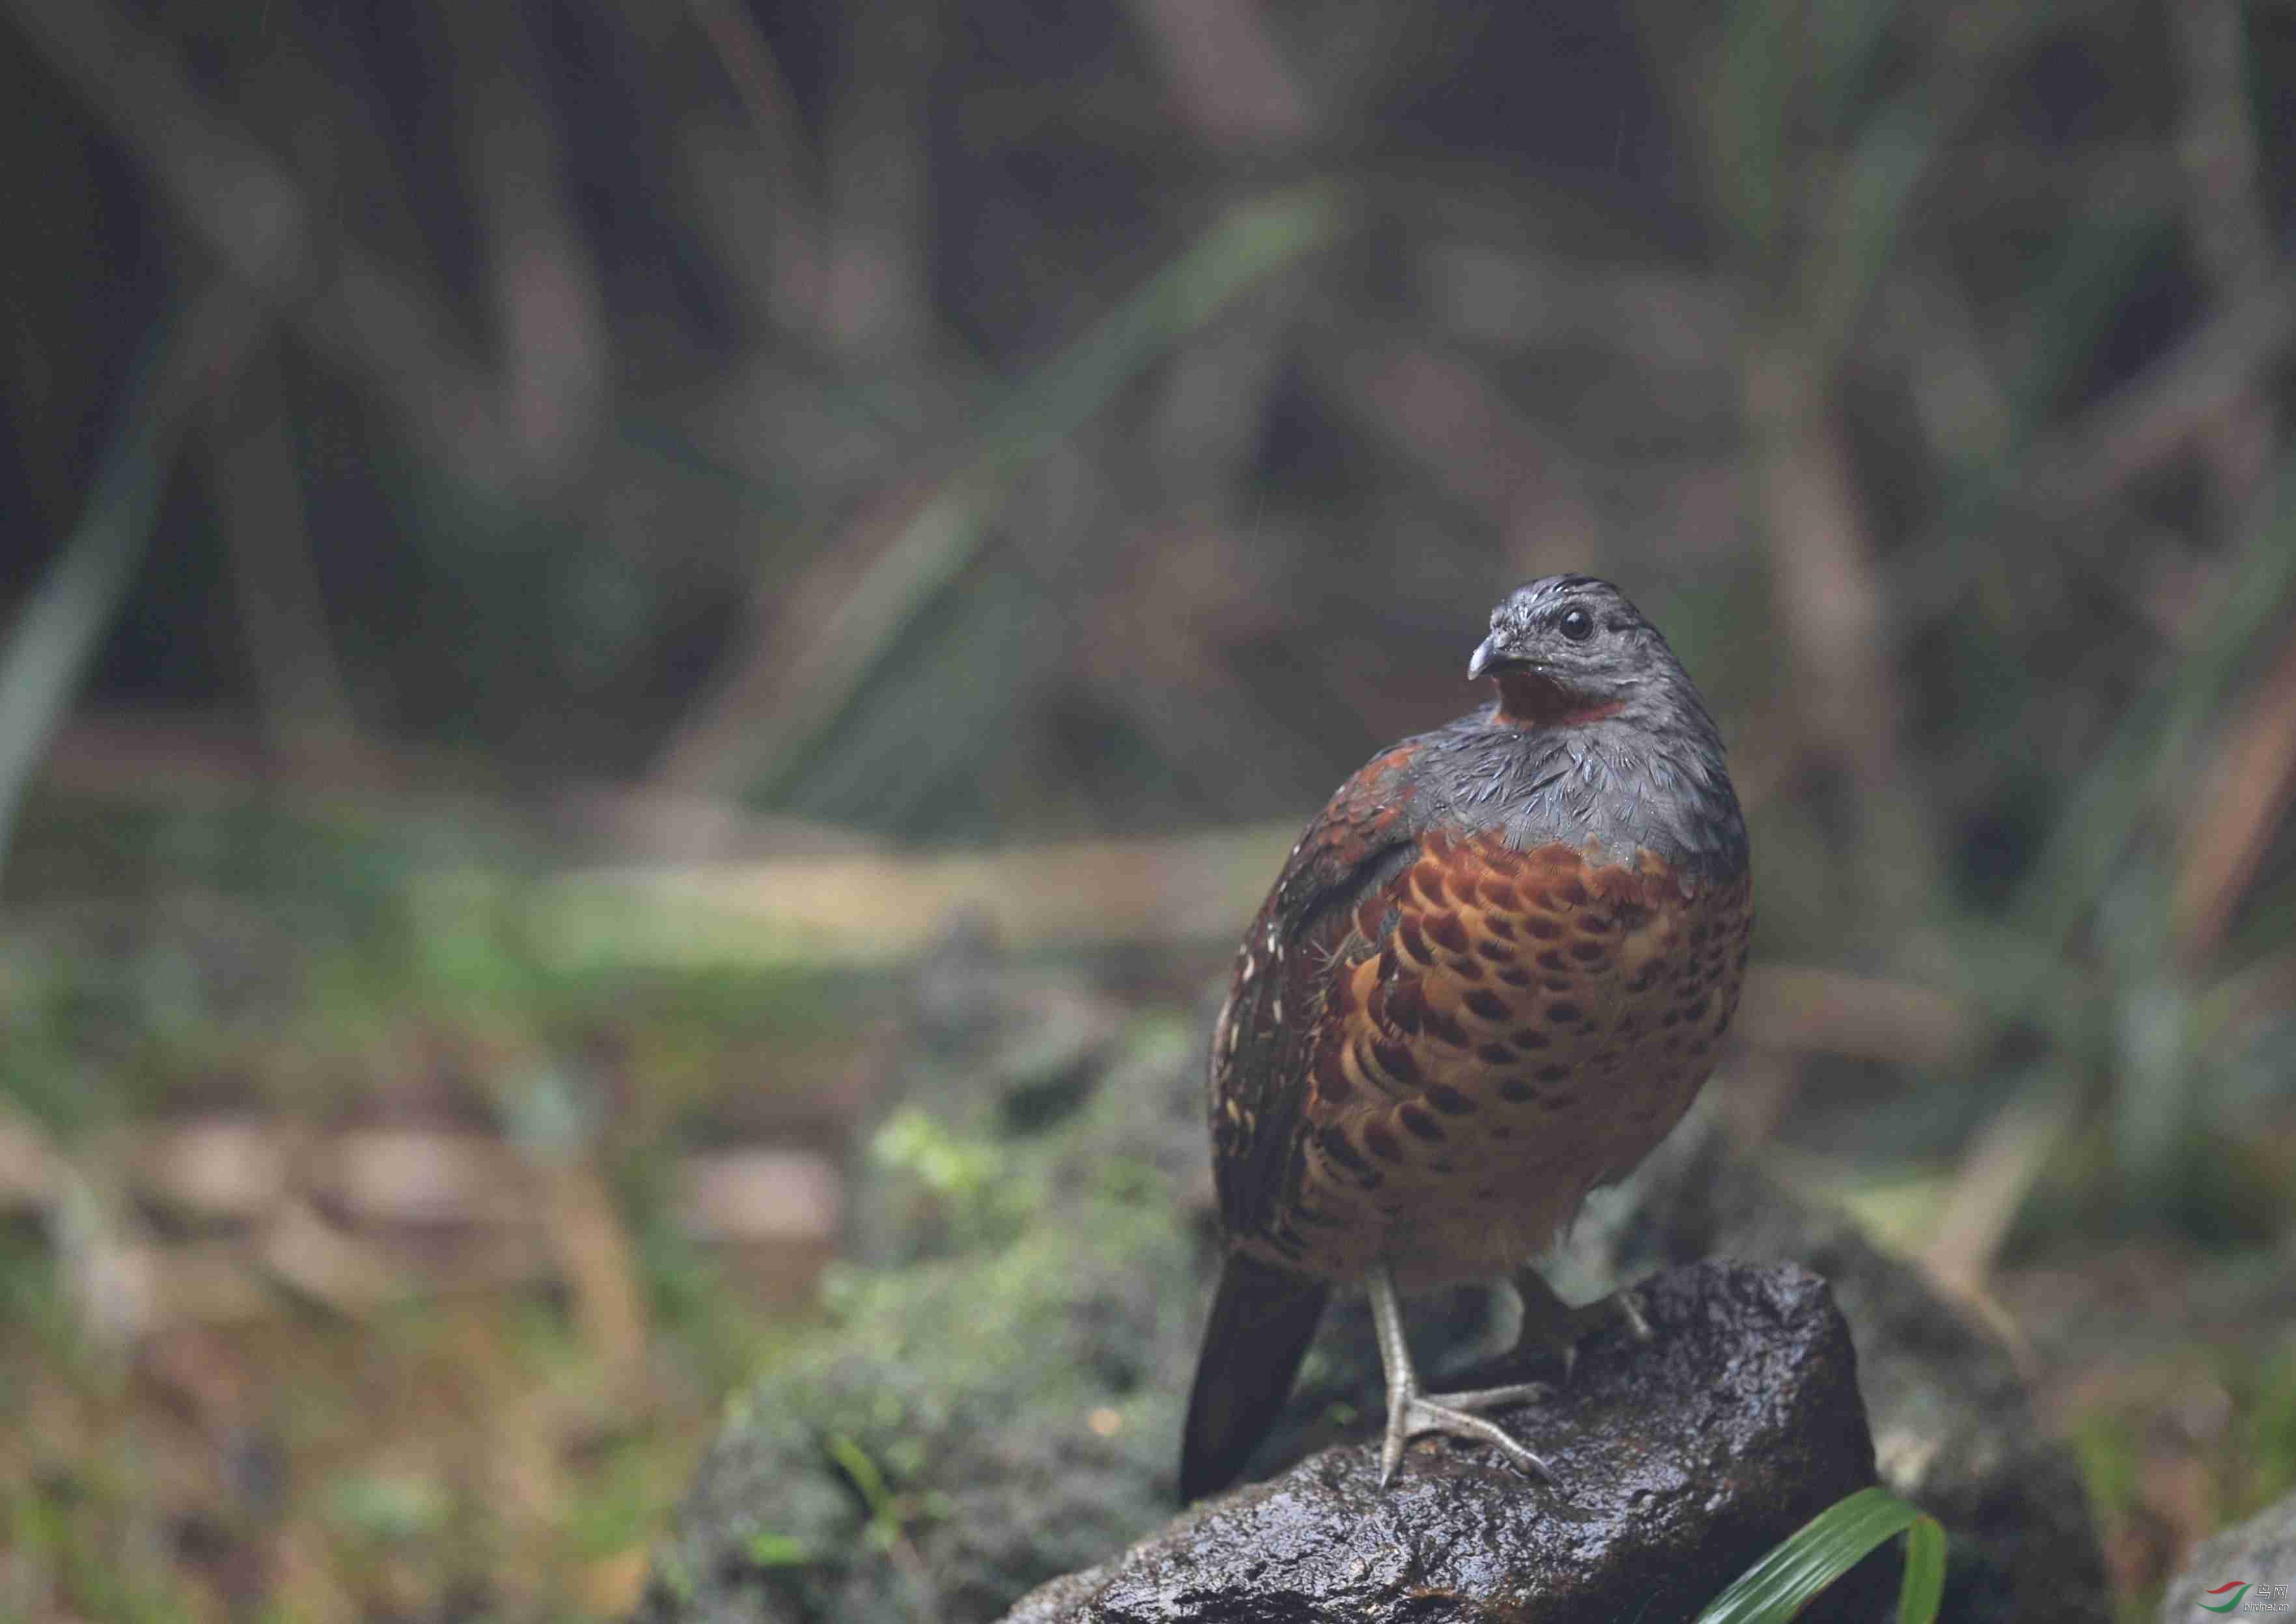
x,y
1262,1319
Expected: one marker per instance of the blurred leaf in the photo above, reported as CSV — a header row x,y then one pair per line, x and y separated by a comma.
x,y
2155,1113
768,498
772,1550
391,1508
907,756
1249,244
942,537
2083,280
944,1163
869,1482
56,634
2254,595
2271,1449
977,1193
1859,230
1748,105
2148,1044
1848,36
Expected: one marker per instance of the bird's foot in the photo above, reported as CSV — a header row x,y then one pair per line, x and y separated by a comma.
x,y
1412,1414
1553,1327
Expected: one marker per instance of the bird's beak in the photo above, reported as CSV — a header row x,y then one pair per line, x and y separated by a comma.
x,y
1481,659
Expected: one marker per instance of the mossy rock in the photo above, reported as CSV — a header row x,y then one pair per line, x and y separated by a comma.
x,y
967,1426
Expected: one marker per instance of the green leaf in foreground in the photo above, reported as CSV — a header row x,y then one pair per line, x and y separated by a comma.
x,y
1827,1546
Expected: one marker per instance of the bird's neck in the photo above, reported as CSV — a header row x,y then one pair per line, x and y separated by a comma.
x,y
1528,700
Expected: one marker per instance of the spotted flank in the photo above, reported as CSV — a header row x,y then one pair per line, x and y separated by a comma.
x,y
1500,1031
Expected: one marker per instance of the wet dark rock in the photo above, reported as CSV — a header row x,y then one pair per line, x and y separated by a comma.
x,y
1679,1462
2260,1551
1954,1428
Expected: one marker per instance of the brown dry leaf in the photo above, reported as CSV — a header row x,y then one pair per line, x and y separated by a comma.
x,y
426,1176
1447,415
196,1372
1227,72
109,1270
27,1167
331,1265
211,1283
798,660
759,1195
875,910
2247,792
1833,1012
214,1169
594,1257
774,1213
1995,1176
471,1259
1755,1091
610,1587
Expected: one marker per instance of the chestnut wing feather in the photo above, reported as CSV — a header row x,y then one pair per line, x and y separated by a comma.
x,y
1266,1035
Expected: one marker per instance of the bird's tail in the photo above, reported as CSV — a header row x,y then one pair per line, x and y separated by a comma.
x,y
1262,1319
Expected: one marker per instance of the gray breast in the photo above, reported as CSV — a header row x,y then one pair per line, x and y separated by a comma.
x,y
1621,784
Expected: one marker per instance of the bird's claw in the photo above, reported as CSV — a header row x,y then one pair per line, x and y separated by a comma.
x,y
1631,1311
1551,1325
1411,1415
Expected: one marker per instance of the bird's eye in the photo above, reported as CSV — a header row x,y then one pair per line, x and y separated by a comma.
x,y
1576,625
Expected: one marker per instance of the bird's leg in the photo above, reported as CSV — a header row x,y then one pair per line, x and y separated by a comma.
x,y
1551,1323
1410,1411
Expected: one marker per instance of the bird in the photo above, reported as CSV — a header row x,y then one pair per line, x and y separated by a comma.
x,y
1496,970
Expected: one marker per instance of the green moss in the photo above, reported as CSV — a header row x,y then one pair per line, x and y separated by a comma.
x,y
920,1431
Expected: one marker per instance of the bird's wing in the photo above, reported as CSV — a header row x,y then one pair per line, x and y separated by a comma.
x,y
1264,1040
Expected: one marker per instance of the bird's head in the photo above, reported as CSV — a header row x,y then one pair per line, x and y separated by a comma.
x,y
1567,649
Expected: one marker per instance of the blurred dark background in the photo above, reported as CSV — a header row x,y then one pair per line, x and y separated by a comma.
x,y
551,549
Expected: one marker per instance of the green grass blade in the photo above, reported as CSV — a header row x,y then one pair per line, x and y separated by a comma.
x,y
1862,224
48,646
1827,1546
1922,1593
1254,241
1749,103
2105,813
